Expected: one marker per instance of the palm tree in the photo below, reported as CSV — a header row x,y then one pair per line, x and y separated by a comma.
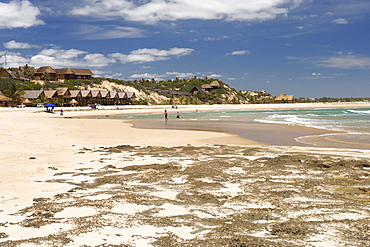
x,y
46,76
13,91
29,72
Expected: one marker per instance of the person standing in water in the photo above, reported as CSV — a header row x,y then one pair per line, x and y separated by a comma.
x,y
165,114
178,115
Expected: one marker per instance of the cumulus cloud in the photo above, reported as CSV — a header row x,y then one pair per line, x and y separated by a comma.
x,y
316,74
340,21
91,32
151,55
164,76
145,75
235,53
180,74
19,45
76,58
18,13
152,11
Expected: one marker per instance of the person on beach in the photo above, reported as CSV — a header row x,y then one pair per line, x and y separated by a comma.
x,y
165,114
61,112
178,115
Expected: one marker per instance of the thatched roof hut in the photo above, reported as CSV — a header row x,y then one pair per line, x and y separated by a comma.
x,y
51,94
197,90
283,98
75,93
73,102
32,94
215,85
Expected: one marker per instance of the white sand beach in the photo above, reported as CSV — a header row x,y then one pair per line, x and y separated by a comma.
x,y
36,145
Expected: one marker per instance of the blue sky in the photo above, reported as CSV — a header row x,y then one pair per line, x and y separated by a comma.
x,y
309,48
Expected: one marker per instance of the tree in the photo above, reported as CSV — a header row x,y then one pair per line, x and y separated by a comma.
x,y
29,72
13,91
46,76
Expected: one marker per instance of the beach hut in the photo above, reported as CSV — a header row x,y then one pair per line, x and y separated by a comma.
x,y
113,98
33,94
14,73
76,96
104,97
121,97
4,101
51,95
197,90
48,71
283,98
69,73
95,96
207,87
64,95
27,102
85,97
215,85
73,102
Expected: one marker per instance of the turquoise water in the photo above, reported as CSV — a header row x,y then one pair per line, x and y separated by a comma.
x,y
353,123
353,120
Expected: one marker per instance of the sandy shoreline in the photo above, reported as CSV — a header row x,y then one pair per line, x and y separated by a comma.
x,y
37,145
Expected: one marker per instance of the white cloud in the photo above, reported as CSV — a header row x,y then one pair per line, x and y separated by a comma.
x,y
216,38
13,60
18,13
345,62
214,76
152,11
340,21
90,32
145,75
316,74
235,53
60,58
151,55
19,45
180,74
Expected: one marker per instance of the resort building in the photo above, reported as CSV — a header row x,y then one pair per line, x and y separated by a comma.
x,y
66,97
283,98
69,73
46,73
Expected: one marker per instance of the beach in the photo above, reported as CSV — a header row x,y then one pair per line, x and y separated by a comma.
x,y
73,180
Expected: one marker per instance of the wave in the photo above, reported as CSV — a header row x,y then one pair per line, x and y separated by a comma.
x,y
367,112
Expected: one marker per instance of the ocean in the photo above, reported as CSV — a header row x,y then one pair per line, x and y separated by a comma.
x,y
345,127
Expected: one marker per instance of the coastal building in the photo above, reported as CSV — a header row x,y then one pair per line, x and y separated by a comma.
x,y
283,98
51,96
197,90
13,73
4,101
64,96
85,97
33,94
215,85
46,73
113,98
69,73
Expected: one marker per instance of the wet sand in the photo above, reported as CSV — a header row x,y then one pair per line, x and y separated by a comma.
x,y
267,134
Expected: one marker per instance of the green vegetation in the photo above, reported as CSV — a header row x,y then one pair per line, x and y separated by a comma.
x,y
177,91
13,90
